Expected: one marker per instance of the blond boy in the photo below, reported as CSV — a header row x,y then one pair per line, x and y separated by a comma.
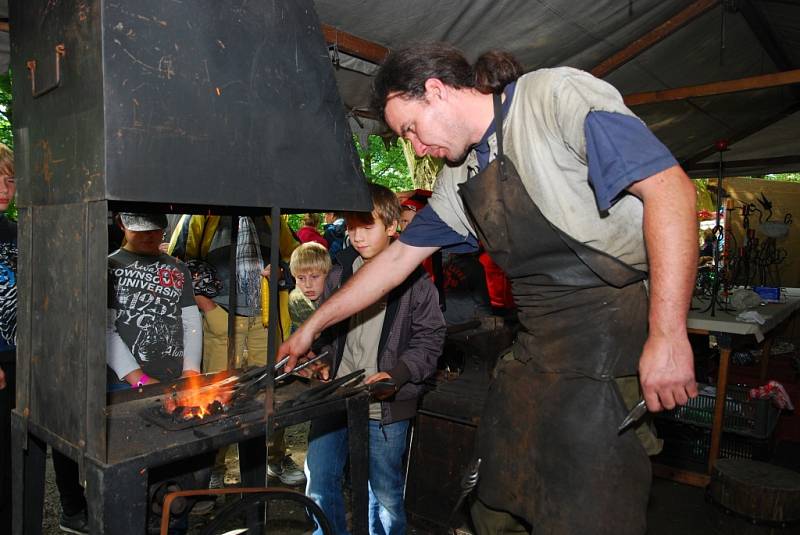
x,y
309,264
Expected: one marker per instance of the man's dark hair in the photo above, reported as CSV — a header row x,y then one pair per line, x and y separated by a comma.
x,y
496,69
406,70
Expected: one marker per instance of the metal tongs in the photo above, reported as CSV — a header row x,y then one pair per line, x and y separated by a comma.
x,y
636,413
255,378
378,391
326,389
297,368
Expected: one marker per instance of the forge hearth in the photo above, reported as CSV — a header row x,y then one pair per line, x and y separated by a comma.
x,y
185,417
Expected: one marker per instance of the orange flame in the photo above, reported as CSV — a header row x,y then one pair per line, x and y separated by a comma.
x,y
197,398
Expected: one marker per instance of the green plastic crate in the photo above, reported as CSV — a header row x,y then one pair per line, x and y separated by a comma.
x,y
749,417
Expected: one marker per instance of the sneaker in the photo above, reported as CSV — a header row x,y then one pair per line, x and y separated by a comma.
x,y
77,523
287,471
217,481
203,507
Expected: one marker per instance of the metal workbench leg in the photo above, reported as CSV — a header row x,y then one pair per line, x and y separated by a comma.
x,y
725,343
117,498
253,462
253,468
29,470
358,440
766,349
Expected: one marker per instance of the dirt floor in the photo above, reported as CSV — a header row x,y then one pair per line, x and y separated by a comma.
x,y
290,515
674,508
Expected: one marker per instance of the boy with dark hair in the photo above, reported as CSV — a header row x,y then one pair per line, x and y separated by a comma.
x,y
398,339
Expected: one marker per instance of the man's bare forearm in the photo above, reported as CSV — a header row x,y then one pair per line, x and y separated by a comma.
x,y
666,366
670,230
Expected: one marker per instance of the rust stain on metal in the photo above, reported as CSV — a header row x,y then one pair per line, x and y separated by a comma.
x,y
165,68
47,159
83,12
136,123
44,166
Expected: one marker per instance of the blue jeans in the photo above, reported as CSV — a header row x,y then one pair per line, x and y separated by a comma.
x,y
325,462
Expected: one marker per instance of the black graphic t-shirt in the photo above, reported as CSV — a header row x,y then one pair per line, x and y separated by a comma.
x,y
147,294
8,285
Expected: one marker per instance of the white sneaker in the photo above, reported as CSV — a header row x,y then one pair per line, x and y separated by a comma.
x,y
217,481
287,472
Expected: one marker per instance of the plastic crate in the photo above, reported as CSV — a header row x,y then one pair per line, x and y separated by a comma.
x,y
687,445
749,417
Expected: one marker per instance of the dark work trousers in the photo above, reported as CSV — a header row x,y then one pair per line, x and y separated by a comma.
x,y
70,491
7,404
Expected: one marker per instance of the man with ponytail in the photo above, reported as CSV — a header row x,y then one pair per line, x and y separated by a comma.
x,y
592,219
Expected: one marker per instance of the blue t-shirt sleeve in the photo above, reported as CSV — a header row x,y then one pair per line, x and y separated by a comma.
x,y
428,230
621,151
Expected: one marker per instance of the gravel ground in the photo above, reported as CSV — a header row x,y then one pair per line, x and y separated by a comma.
x,y
289,516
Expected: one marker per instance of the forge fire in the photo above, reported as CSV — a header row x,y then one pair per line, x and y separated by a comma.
x,y
197,401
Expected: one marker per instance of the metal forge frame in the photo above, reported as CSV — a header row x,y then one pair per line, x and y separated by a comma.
x,y
143,105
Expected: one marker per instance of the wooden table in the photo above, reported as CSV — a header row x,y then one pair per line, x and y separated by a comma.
x,y
725,327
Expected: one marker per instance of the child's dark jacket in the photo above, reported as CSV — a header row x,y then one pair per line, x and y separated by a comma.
x,y
411,339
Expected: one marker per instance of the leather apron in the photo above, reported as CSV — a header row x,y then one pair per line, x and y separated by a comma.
x,y
548,435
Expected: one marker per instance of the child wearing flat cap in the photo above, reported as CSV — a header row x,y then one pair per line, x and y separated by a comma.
x,y
154,330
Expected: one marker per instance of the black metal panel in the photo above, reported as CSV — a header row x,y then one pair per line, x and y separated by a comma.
x,y
60,358
58,135
29,467
117,497
24,285
96,302
225,103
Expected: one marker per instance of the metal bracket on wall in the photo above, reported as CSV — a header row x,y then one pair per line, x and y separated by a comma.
x,y
31,64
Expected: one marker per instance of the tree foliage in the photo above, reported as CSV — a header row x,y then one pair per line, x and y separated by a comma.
x,y
6,135
423,170
5,110
384,163
785,177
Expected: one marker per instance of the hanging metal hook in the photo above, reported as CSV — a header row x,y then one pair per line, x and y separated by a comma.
x,y
335,59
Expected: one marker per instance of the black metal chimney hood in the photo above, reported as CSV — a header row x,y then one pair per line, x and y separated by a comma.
x,y
216,103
